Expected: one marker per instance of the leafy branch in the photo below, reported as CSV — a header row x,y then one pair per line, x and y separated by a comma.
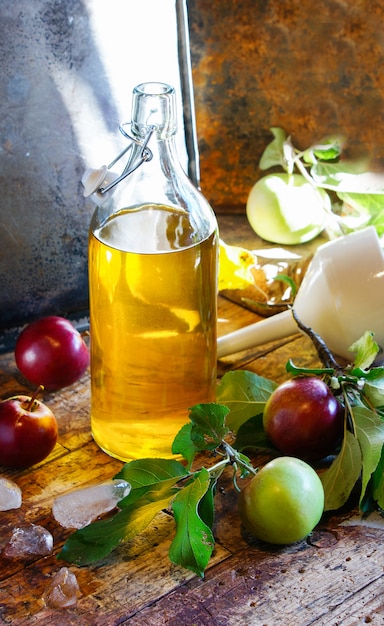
x,y
357,195
222,430
168,484
361,387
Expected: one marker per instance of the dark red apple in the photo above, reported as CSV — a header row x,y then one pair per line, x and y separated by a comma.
x,y
28,431
302,418
51,352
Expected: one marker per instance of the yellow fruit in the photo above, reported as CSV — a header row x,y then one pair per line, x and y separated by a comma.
x,y
234,267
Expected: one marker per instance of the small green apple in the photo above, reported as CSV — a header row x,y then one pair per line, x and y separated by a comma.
x,y
283,502
287,209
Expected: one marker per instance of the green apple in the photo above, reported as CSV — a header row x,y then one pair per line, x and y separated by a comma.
x,y
283,502
287,209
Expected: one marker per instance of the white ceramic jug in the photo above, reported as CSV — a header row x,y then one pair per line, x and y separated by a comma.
x,y
340,297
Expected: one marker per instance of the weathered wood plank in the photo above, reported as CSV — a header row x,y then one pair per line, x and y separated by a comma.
x,y
295,586
135,575
336,578
364,607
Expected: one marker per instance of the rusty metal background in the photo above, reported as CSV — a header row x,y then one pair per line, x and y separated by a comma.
x,y
313,68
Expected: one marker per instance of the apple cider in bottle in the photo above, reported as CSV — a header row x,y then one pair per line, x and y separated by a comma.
x,y
153,250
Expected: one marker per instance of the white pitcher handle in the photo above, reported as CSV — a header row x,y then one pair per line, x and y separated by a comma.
x,y
275,327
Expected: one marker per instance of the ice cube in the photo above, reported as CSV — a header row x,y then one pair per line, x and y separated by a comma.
x,y
10,495
80,507
27,541
63,590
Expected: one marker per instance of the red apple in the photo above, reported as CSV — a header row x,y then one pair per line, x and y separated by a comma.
x,y
51,352
28,431
302,418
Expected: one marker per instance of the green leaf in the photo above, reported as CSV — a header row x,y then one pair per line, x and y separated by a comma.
x,y
375,208
298,371
368,206
243,465
208,425
369,430
340,478
252,435
374,389
183,444
245,394
367,503
194,542
378,482
274,152
145,474
371,375
346,177
366,350
206,505
329,150
98,539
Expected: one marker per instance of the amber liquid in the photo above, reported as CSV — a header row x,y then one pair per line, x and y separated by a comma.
x,y
153,329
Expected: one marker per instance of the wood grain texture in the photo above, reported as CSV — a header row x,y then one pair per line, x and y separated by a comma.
x,y
334,578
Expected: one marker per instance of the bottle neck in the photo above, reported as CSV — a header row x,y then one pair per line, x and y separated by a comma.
x,y
153,124
163,164
153,108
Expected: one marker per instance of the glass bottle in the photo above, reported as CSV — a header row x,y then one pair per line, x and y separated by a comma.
x,y
153,255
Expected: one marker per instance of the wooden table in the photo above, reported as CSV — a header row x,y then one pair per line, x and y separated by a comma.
x,y
335,577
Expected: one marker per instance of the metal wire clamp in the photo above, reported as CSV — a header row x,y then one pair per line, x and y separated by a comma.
x,y
101,180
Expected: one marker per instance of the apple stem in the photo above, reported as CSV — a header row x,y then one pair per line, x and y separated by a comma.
x,y
34,397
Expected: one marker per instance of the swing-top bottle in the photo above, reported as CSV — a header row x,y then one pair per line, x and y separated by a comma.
x,y
153,250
